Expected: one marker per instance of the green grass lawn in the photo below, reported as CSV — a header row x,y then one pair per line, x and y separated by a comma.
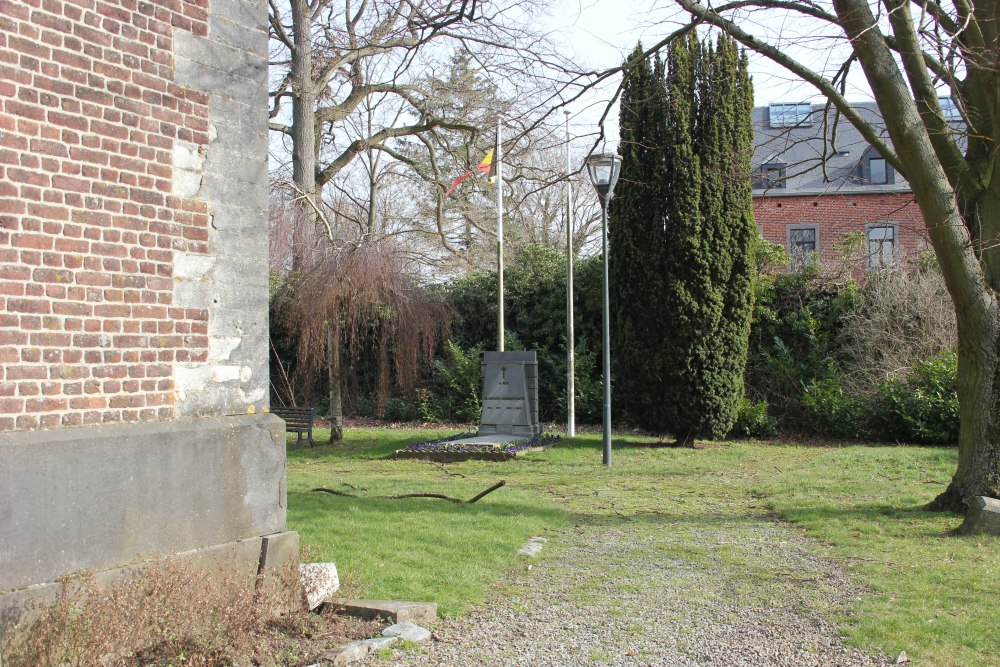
x,y
933,595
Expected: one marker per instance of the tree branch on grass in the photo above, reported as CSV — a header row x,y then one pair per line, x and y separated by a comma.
x,y
439,496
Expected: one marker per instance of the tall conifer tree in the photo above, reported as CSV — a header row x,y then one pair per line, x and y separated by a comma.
x,y
636,222
685,375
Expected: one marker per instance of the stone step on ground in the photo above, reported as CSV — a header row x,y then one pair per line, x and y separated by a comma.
x,y
397,611
533,547
359,650
407,631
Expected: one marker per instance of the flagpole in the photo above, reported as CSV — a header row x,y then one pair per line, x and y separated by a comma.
x,y
499,162
570,356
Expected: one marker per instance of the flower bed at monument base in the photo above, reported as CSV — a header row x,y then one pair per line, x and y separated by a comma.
x,y
451,449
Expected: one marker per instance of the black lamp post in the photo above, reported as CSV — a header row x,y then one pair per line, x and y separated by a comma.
x,y
603,170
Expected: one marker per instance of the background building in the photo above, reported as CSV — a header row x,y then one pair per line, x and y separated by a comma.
x,y
816,179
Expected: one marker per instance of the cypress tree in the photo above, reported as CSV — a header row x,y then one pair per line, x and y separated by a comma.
x,y
684,263
684,373
636,222
723,138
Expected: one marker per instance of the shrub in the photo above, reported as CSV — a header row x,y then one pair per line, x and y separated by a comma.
x,y
753,421
906,315
828,410
535,302
454,392
923,406
793,340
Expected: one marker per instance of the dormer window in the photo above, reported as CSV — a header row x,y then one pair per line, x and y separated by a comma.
x,y
875,170
789,115
769,175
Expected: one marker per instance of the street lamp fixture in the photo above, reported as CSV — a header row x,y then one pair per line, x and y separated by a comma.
x,y
603,170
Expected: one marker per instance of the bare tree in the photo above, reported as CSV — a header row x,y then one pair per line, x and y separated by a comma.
x,y
332,59
928,66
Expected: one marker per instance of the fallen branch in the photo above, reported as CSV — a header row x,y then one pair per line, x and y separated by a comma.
x,y
439,496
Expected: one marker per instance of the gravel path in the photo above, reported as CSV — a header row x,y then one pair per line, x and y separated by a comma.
x,y
650,590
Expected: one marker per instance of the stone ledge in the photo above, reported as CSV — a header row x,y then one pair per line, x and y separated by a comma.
x,y
397,611
983,517
246,556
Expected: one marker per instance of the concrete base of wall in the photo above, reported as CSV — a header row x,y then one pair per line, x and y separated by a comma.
x,y
242,560
101,498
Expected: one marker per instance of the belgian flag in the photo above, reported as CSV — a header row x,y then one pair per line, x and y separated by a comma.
x,y
487,166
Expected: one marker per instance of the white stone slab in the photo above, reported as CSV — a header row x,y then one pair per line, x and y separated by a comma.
x,y
408,631
533,547
320,582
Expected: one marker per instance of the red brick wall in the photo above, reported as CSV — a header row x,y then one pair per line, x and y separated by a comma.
x,y
88,225
837,215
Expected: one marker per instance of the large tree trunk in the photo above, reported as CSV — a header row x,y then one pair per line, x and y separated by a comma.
x,y
336,411
303,122
978,472
961,219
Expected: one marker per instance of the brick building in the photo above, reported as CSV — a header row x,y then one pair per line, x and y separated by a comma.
x,y
809,191
133,286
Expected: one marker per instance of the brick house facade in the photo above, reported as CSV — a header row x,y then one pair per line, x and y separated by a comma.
x,y
809,191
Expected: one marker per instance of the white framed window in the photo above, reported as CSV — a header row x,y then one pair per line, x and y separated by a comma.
x,y
877,171
783,114
803,244
883,240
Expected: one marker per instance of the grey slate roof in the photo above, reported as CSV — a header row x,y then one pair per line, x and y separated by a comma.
x,y
801,149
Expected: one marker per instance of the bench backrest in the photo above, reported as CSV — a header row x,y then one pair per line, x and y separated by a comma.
x,y
296,417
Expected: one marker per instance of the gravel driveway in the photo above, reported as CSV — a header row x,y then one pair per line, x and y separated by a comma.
x,y
659,590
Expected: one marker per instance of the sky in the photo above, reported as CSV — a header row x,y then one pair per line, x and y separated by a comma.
x,y
600,33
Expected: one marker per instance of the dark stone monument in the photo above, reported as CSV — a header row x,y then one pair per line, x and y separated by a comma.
x,y
510,394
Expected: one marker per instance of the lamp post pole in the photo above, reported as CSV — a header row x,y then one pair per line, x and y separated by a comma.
x,y
570,353
606,333
603,170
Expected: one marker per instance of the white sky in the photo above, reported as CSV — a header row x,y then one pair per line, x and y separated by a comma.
x,y
600,33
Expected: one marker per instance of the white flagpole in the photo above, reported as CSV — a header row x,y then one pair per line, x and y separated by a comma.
x,y
499,160
570,362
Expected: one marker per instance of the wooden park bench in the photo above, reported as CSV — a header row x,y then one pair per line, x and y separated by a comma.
x,y
299,421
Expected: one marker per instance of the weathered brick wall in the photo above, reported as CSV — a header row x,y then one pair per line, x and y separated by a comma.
x,y
103,201
839,214
133,288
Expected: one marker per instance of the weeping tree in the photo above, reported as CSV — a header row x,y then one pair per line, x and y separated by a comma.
x,y
362,302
